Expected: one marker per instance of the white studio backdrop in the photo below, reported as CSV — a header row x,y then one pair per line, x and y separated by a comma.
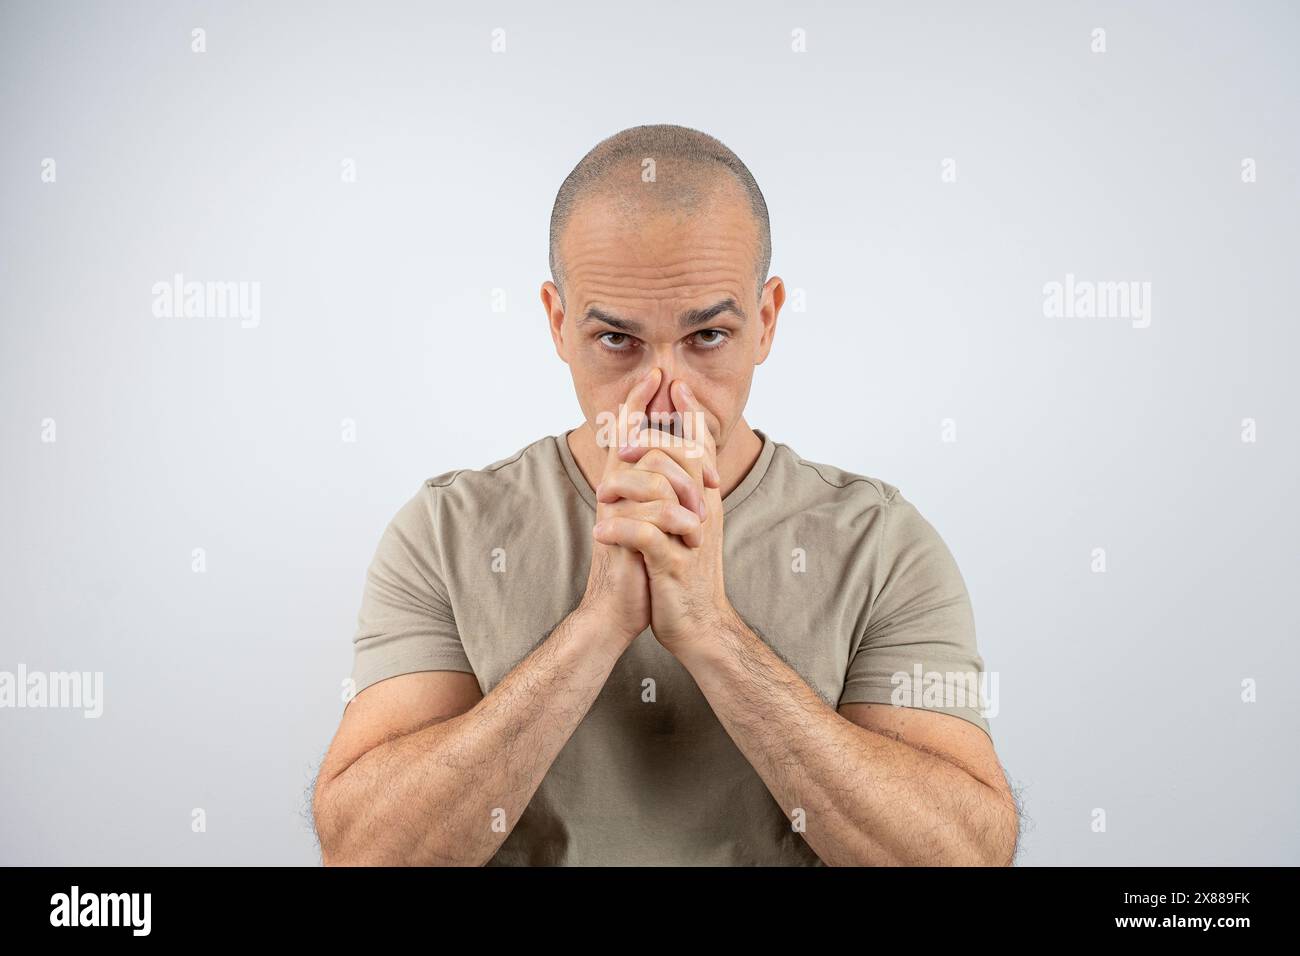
x,y
189,504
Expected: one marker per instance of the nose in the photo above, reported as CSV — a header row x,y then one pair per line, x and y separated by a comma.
x,y
662,403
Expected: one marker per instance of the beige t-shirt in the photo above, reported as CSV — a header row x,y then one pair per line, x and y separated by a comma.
x,y
838,573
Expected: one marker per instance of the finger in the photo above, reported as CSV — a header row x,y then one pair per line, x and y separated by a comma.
x,y
666,515
689,454
636,485
686,486
640,536
693,455
695,427
686,453
638,397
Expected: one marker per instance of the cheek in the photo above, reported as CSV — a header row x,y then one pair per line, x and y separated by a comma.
x,y
722,390
598,368
720,382
609,383
599,387
717,397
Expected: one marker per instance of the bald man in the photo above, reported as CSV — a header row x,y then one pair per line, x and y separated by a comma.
x,y
662,637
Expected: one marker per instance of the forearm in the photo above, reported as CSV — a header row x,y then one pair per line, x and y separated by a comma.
x,y
449,793
866,799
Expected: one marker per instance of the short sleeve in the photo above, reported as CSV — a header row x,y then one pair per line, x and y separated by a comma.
x,y
918,647
406,623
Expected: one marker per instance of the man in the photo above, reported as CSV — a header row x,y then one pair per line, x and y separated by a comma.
x,y
660,647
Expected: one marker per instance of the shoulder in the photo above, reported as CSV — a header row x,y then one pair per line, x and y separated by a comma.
x,y
516,469
465,503
814,483
508,488
838,481
850,499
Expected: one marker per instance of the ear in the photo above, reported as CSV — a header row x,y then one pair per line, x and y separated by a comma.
x,y
554,317
769,307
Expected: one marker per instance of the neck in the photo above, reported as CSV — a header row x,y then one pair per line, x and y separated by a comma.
x,y
735,459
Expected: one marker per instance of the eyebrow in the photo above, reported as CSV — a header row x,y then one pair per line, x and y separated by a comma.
x,y
689,319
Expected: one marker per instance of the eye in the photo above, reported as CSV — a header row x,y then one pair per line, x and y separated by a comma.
x,y
616,341
711,338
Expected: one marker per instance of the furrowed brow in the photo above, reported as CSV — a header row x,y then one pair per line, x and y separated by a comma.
x,y
693,317
594,314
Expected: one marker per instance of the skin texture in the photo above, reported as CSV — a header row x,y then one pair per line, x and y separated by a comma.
x,y
421,763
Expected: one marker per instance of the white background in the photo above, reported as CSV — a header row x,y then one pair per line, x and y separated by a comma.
x,y
1119,691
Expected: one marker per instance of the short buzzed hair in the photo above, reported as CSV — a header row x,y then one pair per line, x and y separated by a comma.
x,y
688,167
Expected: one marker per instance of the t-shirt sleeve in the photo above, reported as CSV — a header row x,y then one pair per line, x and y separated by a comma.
x,y
918,647
406,623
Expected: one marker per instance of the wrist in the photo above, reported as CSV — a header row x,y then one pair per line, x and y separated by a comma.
x,y
600,628
712,640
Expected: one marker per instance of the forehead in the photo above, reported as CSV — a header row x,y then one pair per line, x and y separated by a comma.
x,y
634,249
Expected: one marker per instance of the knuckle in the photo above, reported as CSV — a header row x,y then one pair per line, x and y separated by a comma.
x,y
671,509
